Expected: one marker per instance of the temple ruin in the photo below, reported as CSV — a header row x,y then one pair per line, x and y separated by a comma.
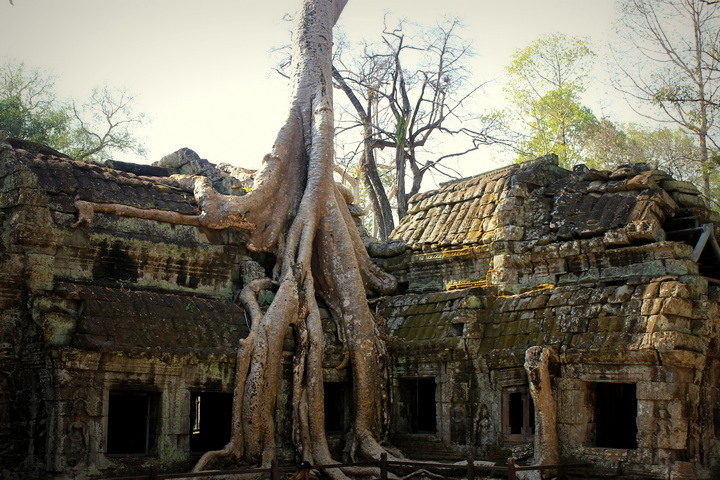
x,y
118,329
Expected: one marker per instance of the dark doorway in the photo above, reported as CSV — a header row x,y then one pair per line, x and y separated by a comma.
x,y
518,412
132,422
210,421
337,401
615,415
417,405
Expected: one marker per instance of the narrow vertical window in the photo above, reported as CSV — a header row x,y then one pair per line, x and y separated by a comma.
x,y
338,402
210,420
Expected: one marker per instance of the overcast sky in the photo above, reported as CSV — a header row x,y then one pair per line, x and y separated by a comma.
x,y
202,70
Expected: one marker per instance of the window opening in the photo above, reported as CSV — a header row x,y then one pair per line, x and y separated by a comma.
x,y
210,420
456,329
615,415
418,407
518,414
132,422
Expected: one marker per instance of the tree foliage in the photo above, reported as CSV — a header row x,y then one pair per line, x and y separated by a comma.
x,y
105,124
92,130
546,79
29,109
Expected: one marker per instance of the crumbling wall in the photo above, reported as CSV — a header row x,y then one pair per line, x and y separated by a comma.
x,y
121,305
604,268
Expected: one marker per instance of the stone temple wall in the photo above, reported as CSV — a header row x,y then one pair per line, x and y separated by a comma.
x,y
609,270
615,273
120,313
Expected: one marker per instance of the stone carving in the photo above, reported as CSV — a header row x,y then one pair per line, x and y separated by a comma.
x,y
76,440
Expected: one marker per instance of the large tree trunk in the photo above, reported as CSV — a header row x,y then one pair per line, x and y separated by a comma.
x,y
298,214
547,445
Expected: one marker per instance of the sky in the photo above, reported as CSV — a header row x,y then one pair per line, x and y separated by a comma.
x,y
202,71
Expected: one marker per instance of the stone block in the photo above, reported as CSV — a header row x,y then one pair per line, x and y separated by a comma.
x,y
58,328
675,289
615,238
656,391
645,230
651,306
666,341
41,274
621,294
670,250
681,267
677,306
660,323
509,233
688,200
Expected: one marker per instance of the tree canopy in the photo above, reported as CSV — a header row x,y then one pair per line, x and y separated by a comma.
x,y
546,79
95,129
408,94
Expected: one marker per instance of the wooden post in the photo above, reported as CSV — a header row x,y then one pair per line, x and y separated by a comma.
x,y
511,469
470,468
153,473
383,466
562,474
274,470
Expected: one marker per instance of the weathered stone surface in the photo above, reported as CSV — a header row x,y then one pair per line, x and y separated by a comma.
x,y
594,269
587,263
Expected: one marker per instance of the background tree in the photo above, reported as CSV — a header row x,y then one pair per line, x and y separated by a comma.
x,y
407,94
29,109
673,68
96,129
546,79
105,124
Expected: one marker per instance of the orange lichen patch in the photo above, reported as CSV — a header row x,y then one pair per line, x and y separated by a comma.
x,y
466,284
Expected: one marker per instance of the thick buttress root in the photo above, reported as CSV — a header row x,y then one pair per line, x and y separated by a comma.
x,y
296,212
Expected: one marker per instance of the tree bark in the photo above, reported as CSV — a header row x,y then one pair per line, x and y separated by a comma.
x,y
368,167
547,446
299,215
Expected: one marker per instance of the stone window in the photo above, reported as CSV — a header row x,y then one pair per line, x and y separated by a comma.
x,y
518,414
417,412
132,422
210,420
338,401
615,408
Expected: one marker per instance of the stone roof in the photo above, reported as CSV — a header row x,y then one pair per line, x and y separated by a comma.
x,y
586,260
121,284
62,178
543,202
116,319
429,317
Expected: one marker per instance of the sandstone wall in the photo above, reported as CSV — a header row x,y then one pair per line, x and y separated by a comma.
x,y
123,304
602,267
